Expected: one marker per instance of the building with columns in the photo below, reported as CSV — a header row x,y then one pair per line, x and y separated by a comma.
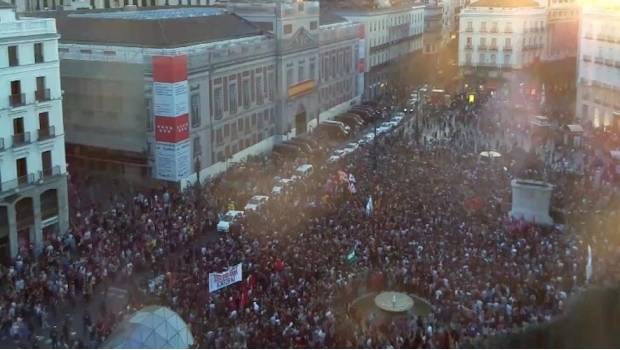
x,y
33,181
499,36
598,73
171,100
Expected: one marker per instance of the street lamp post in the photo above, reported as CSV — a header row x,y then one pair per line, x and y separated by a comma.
x,y
198,187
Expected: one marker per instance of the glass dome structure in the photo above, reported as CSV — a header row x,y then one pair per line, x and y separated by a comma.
x,y
153,327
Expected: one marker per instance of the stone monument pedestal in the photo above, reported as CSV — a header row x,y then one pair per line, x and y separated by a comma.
x,y
531,201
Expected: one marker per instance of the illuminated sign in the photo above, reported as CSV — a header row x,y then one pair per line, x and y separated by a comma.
x,y
303,88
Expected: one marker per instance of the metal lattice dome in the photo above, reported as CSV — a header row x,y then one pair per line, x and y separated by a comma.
x,y
153,327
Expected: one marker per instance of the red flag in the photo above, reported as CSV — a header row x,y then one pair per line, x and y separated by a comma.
x,y
279,265
244,300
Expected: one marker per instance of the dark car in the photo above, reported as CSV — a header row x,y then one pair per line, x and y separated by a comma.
x,y
302,146
349,120
285,151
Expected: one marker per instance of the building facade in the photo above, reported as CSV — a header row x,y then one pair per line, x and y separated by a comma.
x,y
33,182
598,75
499,36
341,57
392,33
432,38
562,29
250,84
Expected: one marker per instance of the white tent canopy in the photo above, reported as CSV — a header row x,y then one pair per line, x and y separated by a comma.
x,y
153,327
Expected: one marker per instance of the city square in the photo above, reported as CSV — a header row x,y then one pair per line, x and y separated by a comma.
x,y
296,175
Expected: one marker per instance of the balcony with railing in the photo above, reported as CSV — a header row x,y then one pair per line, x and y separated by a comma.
x,y
598,60
20,181
507,47
587,58
482,47
17,100
609,63
42,95
47,173
21,139
469,30
508,31
483,30
493,47
493,30
469,47
47,133
588,36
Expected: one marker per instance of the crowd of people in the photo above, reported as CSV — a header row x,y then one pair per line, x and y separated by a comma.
x,y
484,273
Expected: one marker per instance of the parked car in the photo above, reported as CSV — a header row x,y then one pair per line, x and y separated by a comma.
x,y
349,121
286,151
230,218
334,131
304,146
255,203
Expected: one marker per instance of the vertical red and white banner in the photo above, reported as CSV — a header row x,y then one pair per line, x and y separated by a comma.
x,y
171,109
361,58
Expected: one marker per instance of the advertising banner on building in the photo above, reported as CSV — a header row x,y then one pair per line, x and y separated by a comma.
x,y
170,99
172,160
171,109
219,280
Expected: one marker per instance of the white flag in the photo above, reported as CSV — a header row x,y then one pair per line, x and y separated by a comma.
x,y
589,265
351,178
352,187
369,206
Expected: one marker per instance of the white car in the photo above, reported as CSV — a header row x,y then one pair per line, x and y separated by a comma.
x,y
397,118
338,153
230,218
304,170
255,203
333,159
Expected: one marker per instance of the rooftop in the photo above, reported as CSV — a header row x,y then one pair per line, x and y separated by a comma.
x,y
154,15
328,17
162,28
505,3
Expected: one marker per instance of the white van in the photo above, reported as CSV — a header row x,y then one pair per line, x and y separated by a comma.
x,y
255,203
304,170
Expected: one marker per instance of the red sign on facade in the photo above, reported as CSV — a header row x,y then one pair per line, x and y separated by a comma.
x,y
169,69
172,130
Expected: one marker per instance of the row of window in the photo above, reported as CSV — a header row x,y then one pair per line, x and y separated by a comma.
x,y
381,24
491,59
336,63
291,79
15,55
336,94
21,136
241,90
17,95
532,41
288,28
244,126
494,27
24,177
